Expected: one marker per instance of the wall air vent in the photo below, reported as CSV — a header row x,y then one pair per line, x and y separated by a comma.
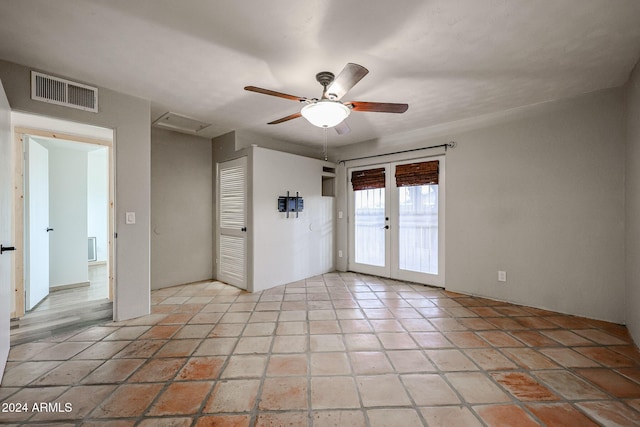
x,y
55,90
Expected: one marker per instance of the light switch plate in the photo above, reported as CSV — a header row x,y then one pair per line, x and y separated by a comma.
x,y
130,218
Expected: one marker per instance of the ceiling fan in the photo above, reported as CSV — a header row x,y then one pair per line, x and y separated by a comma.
x,y
329,111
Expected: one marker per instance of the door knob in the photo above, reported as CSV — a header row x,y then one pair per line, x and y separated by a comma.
x,y
386,227
243,229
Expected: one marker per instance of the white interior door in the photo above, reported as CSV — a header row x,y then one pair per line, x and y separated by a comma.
x,y
232,222
396,220
6,193
37,223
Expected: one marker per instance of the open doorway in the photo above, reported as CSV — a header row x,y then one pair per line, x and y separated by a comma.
x,y
66,205
64,214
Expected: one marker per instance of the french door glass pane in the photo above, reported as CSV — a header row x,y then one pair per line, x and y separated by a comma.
x,y
418,228
369,227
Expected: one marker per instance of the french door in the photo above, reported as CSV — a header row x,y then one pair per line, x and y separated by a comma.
x,y
396,220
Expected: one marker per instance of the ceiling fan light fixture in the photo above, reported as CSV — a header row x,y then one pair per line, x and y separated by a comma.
x,y
325,113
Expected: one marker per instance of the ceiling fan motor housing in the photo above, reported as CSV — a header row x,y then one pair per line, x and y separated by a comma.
x,y
325,78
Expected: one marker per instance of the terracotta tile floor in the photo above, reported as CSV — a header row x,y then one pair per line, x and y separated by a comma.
x,y
336,350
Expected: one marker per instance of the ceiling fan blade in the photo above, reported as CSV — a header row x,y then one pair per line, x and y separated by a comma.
x,y
342,128
285,119
274,93
378,107
348,77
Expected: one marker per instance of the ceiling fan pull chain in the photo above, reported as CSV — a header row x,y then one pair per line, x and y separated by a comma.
x,y
325,144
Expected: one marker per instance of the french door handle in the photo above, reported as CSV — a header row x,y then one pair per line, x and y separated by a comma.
x,y
386,227
49,229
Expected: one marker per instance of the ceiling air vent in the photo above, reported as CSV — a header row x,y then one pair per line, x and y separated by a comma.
x,y
178,123
55,90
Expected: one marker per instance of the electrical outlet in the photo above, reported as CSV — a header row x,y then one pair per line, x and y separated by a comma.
x,y
502,276
339,254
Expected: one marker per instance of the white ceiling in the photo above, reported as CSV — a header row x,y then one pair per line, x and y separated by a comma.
x,y
448,59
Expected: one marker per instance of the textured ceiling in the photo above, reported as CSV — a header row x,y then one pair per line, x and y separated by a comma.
x,y
448,59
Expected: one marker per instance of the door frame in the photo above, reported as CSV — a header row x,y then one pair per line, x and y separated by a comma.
x,y
393,271
19,195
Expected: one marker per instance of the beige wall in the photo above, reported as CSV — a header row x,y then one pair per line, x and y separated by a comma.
x,y
181,209
632,189
538,193
543,199
130,119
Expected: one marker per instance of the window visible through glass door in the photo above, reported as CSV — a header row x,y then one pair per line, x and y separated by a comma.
x,y
370,232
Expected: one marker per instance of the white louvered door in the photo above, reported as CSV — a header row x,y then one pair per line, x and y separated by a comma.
x,y
232,222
